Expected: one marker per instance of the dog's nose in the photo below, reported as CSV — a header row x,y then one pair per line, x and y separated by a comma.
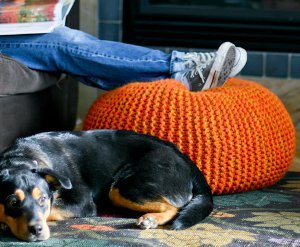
x,y
36,229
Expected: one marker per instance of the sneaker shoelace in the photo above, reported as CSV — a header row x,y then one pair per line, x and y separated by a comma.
x,y
199,61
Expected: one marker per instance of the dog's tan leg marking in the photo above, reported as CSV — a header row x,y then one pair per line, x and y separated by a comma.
x,y
59,214
158,212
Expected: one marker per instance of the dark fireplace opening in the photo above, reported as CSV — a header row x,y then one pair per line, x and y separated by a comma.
x,y
261,25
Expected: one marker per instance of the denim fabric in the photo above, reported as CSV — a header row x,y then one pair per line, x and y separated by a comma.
x,y
104,64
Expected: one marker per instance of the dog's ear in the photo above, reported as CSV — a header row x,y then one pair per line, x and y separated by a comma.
x,y
55,180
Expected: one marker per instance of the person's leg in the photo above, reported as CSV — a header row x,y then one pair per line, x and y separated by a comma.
x,y
32,80
107,64
100,63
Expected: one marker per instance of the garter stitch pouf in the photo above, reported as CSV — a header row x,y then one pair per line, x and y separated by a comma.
x,y
239,135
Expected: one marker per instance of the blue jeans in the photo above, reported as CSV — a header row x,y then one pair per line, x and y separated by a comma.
x,y
99,63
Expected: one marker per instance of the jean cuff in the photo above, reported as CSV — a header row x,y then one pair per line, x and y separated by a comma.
x,y
177,62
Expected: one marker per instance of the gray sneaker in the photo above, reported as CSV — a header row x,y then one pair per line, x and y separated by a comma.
x,y
207,70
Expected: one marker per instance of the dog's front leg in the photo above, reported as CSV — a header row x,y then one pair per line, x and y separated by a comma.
x,y
72,204
59,214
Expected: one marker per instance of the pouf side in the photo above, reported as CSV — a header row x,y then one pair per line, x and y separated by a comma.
x,y
239,135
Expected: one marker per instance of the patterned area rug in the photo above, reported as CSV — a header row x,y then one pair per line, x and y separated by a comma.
x,y
269,217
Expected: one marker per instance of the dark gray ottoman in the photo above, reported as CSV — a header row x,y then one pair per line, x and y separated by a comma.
x,y
34,101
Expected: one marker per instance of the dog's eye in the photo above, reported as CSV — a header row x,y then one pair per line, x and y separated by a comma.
x,y
42,200
13,202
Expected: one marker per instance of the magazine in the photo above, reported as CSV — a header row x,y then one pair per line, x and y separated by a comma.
x,y
32,16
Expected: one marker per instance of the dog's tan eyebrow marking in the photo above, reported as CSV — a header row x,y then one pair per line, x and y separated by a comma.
x,y
20,194
36,193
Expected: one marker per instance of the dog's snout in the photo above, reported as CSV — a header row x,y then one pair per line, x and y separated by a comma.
x,y
36,229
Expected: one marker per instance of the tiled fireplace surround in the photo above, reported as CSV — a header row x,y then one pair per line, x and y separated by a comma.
x,y
269,64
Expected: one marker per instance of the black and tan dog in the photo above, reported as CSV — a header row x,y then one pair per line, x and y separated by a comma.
x,y
59,175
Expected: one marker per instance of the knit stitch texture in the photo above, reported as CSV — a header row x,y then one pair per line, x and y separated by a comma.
x,y
239,135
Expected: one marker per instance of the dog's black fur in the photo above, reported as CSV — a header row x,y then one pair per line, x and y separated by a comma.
x,y
57,175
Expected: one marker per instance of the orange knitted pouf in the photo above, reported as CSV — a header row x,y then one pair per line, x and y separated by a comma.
x,y
239,135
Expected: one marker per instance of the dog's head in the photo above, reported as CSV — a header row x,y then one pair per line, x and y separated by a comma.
x,y
25,200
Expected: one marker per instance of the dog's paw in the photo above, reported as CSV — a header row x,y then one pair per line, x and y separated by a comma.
x,y
147,222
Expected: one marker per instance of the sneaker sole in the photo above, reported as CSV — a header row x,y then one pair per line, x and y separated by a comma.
x,y
240,61
222,66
